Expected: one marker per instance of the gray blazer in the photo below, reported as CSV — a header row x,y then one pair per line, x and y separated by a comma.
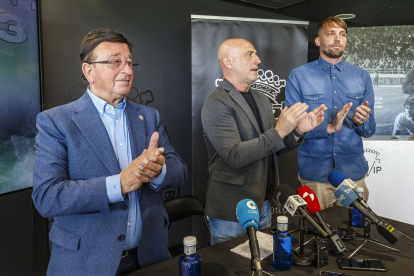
x,y
238,151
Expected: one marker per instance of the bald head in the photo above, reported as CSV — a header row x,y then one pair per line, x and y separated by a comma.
x,y
232,48
239,62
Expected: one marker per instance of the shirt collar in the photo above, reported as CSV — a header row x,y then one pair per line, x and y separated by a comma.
x,y
325,65
102,105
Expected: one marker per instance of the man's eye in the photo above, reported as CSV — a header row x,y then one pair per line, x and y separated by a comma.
x,y
116,61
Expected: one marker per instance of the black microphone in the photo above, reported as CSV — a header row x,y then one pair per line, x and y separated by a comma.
x,y
248,216
296,206
347,197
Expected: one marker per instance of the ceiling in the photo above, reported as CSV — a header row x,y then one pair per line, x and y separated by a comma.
x,y
368,12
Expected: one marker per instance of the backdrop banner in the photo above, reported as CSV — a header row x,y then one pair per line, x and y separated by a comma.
x,y
389,178
281,45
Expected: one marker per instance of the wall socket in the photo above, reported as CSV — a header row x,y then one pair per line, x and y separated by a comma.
x,y
171,193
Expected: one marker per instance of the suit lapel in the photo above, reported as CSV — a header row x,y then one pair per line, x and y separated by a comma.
x,y
238,98
136,125
90,124
262,109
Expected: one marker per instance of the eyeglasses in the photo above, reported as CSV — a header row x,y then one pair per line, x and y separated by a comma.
x,y
116,63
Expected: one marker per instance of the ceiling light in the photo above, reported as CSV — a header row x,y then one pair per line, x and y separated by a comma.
x,y
345,16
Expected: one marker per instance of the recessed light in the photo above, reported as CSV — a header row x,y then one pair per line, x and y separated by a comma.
x,y
346,16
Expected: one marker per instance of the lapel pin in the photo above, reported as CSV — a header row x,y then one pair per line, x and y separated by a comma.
x,y
141,118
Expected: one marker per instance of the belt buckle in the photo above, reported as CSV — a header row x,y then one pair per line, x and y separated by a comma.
x,y
123,256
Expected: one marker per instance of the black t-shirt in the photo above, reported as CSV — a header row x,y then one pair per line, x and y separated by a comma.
x,y
252,104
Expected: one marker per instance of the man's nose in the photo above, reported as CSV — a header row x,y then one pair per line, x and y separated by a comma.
x,y
257,61
127,70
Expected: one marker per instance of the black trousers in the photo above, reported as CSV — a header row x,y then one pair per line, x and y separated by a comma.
x,y
129,262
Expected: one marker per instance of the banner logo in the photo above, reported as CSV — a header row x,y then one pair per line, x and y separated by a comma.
x,y
268,84
373,160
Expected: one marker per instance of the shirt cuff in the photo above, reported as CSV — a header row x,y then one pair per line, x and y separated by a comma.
x,y
113,188
156,182
363,129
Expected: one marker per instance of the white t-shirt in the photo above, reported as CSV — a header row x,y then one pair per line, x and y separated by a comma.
x,y
403,122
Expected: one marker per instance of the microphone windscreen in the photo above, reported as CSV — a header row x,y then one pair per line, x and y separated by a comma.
x,y
247,213
309,196
345,195
335,178
283,192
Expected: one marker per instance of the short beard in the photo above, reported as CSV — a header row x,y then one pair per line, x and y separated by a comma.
x,y
332,54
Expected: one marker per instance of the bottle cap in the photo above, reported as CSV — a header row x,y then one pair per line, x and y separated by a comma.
x,y
359,190
282,219
190,240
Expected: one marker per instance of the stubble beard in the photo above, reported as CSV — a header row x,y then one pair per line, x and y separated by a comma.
x,y
327,51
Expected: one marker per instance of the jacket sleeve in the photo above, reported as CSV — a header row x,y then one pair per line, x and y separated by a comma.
x,y
53,193
221,128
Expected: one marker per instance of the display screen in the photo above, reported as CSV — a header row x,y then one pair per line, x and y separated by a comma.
x,y
20,92
387,53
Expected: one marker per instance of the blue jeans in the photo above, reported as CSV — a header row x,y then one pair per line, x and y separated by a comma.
x,y
224,230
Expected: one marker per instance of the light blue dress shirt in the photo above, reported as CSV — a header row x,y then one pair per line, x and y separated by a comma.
x,y
334,85
115,122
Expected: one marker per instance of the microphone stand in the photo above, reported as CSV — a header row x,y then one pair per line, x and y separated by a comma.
x,y
255,264
302,260
367,238
351,231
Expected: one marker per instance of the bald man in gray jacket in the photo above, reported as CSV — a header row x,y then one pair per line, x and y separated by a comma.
x,y
243,140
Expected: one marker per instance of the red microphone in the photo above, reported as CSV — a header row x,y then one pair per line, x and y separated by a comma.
x,y
309,196
313,208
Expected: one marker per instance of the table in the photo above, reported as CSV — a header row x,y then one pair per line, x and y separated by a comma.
x,y
218,260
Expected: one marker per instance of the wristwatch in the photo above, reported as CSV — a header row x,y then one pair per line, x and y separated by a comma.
x,y
297,134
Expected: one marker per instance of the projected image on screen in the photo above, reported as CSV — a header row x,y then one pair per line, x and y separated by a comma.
x,y
387,53
19,92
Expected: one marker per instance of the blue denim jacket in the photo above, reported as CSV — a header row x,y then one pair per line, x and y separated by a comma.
x,y
320,82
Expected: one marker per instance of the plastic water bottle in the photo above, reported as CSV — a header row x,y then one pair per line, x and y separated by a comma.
x,y
282,245
357,218
190,262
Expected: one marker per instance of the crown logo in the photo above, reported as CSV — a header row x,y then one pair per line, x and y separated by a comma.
x,y
270,85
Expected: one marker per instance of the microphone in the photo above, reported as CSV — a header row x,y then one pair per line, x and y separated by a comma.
x,y
248,216
296,206
314,208
347,198
337,178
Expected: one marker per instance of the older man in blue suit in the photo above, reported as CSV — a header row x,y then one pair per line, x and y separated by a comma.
x,y
101,165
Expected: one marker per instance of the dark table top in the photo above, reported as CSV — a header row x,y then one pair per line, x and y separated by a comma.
x,y
218,260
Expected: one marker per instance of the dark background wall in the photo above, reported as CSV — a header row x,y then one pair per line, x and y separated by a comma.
x,y
161,33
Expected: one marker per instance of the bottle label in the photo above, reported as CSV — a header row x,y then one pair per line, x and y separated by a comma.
x,y
188,250
287,245
282,227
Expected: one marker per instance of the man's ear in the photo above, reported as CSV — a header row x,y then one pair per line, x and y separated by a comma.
x,y
318,41
228,62
88,72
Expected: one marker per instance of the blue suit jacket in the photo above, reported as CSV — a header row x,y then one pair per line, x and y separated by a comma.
x,y
73,156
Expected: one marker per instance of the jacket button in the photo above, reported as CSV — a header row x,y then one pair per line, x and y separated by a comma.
x,y
124,207
121,238
264,178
